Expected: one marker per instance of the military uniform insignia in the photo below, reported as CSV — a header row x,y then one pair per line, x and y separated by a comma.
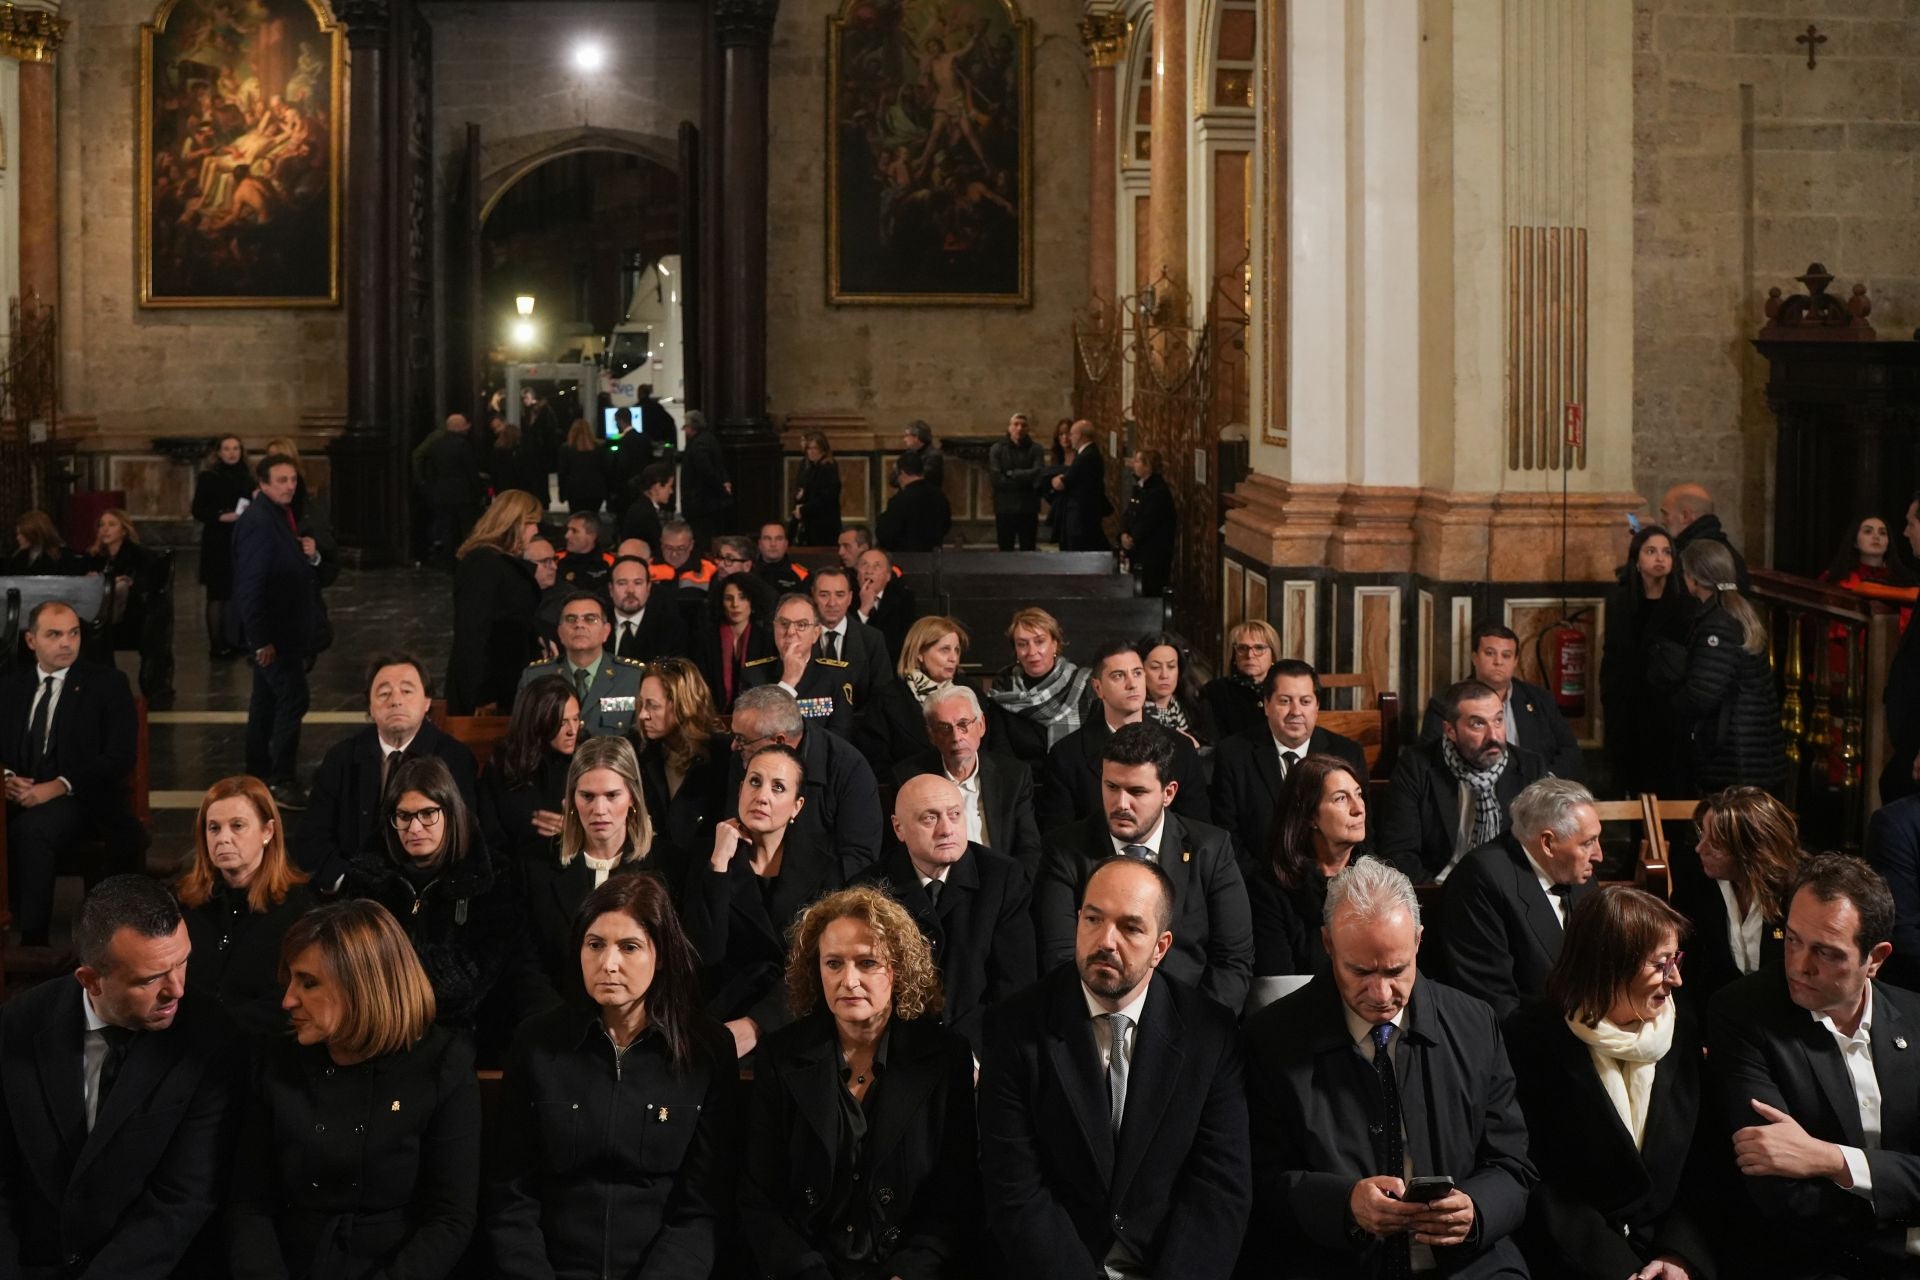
x,y
616,704
846,691
816,708
760,662
831,662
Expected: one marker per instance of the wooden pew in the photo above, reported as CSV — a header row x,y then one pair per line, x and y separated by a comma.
x,y
481,734
1377,731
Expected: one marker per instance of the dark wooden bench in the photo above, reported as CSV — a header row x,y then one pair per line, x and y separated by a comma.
x,y
481,735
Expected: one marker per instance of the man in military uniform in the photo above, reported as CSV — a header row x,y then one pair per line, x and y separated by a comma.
x,y
822,686
774,565
608,686
846,637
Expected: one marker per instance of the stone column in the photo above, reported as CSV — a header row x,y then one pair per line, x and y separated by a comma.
x,y
1167,207
33,36
1105,35
744,31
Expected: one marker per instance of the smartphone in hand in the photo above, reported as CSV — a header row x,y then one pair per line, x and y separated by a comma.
x,y
1427,1190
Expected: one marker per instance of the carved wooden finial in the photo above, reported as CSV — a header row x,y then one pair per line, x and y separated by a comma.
x,y
1817,315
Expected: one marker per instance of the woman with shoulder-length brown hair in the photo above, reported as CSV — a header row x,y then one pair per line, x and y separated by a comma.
x,y
683,752
890,1187
1749,845
583,470
41,550
494,602
360,1153
240,893
894,727
816,494
139,582
1607,1064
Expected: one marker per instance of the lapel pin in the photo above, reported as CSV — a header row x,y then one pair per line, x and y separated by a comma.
x,y
1186,855
396,1104
663,1115
1529,708
1899,1042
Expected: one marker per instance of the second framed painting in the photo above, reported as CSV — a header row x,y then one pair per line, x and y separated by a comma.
x,y
930,154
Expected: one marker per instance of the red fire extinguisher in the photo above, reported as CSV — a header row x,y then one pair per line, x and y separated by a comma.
x,y
1566,667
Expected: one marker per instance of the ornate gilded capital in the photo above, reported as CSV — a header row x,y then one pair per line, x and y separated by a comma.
x,y
30,35
1105,35
366,21
744,22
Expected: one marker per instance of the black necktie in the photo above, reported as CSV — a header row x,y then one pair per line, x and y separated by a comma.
x,y
1564,892
831,639
933,891
1287,761
627,631
118,1039
37,726
1390,1145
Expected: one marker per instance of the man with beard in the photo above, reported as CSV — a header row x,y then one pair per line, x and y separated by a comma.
x,y
1451,795
1113,1123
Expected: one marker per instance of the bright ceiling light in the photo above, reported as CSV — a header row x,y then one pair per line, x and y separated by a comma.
x,y
589,55
523,333
523,305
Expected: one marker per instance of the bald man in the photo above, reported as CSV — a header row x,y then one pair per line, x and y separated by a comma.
x,y
1686,511
972,904
1080,494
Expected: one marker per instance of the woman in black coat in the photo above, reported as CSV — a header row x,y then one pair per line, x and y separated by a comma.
x,y
139,585
684,756
861,1152
1149,525
494,601
583,470
359,1157
523,789
1650,603
1173,695
816,495
617,1120
1234,698
1719,685
738,904
1749,849
217,493
894,727
240,895
1608,1068
40,550
723,647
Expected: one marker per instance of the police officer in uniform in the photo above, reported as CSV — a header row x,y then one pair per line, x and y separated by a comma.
x,y
773,564
608,686
823,686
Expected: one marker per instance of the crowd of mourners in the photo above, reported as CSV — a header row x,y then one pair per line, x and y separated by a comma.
x,y
772,939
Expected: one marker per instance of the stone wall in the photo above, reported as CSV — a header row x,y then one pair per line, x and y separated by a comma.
x,y
963,369
1748,167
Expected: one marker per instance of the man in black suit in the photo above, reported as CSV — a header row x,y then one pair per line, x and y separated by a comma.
x,y
886,603
1213,923
1505,907
1450,796
1901,775
997,789
447,471
1113,1122
1071,790
846,638
631,456
975,906
641,634
656,423
706,488
1533,719
1149,527
919,516
1686,512
822,686
1367,1078
1080,495
651,507
843,797
277,611
343,819
68,738
1249,768
1819,1066
115,1103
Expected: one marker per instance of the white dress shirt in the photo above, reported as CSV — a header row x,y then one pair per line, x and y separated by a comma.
x,y
975,802
1513,730
1554,900
1282,750
1856,1051
1151,840
622,621
92,1057
1744,933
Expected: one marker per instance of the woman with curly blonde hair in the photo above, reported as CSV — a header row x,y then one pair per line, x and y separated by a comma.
x,y
869,1051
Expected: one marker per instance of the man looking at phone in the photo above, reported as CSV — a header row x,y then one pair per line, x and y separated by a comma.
x,y
1353,1174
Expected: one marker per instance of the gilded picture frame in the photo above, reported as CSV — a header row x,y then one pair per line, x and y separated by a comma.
x,y
240,174
929,185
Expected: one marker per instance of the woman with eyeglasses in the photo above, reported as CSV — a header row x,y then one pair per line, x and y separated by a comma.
x,y
523,788
1608,1070
1234,698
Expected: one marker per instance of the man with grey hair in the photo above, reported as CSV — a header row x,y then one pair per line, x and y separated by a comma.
x,y
843,797
1504,911
997,789
1386,1136
823,686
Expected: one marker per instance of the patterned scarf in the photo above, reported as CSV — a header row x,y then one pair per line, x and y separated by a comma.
x,y
1172,716
924,686
1483,783
1054,702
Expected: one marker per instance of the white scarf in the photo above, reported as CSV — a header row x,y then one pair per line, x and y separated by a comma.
x,y
1626,1062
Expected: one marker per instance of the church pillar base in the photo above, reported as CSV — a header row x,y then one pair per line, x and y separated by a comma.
x,y
368,497
754,460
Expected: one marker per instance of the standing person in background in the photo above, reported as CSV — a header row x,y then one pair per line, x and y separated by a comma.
x,y
1150,527
139,601
1081,494
540,432
816,495
446,470
1648,603
583,470
218,491
917,442
657,424
494,599
629,456
919,517
1687,509
1016,464
1059,454
509,464
706,487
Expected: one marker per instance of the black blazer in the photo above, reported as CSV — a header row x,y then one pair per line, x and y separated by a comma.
x,y
583,477
1313,1099
1902,701
713,654
1422,810
1710,962
864,650
981,931
826,689
1543,730
662,633
600,1168
343,815
1287,921
1006,793
738,925
1235,704
494,600
1764,1046
917,519
1499,934
1246,781
92,740
686,817
642,520
1893,847
128,1197
236,956
553,897
892,617
1150,522
356,1172
1060,1189
703,479
920,1174
506,813
1212,928
892,727
276,592
1605,1208
818,487
843,802
1083,503
1072,787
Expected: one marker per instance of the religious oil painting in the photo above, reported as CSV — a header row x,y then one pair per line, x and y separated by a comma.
x,y
240,155
930,153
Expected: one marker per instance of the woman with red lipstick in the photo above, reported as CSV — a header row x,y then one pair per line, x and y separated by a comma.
x,y
860,1160
1608,1070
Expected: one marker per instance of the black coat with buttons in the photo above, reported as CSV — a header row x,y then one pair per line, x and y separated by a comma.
x,y
351,1173
236,955
605,1167
921,1167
